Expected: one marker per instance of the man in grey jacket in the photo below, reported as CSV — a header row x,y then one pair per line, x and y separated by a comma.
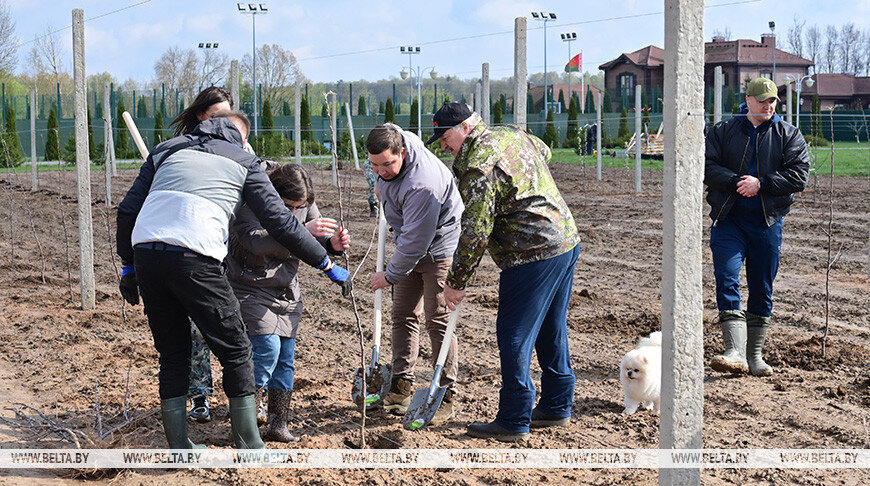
x,y
423,207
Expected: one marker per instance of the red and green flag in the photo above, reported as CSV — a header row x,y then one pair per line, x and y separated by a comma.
x,y
575,65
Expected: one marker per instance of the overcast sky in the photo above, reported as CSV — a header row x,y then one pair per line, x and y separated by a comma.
x,y
359,39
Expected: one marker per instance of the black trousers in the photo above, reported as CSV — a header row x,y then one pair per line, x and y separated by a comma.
x,y
177,285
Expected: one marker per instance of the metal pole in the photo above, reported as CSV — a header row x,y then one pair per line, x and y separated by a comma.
x,y
34,181
637,139
798,107
419,109
546,98
570,95
788,100
297,122
254,57
83,164
682,405
352,138
582,97
520,72
598,137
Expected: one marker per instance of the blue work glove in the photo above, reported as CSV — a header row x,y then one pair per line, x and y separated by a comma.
x,y
340,276
128,285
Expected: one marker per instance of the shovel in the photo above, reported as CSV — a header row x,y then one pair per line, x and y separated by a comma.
x,y
427,401
377,376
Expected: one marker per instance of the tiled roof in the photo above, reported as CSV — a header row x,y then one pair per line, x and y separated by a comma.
x,y
741,51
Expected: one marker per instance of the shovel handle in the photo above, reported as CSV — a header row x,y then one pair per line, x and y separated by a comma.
x,y
379,294
448,336
134,132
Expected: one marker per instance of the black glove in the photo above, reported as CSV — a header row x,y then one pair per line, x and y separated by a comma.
x,y
340,276
128,286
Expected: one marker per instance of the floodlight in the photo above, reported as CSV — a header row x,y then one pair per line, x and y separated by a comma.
x,y
215,45
402,48
573,35
771,24
201,45
242,7
553,16
418,49
252,7
563,36
263,7
534,14
543,15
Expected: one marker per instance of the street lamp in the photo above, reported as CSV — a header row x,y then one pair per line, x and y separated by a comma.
x,y
570,37
410,50
207,49
772,26
418,75
545,17
253,9
798,84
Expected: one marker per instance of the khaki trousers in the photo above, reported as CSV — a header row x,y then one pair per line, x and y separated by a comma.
x,y
422,292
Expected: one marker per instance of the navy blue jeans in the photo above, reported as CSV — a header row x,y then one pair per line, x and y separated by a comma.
x,y
735,240
532,313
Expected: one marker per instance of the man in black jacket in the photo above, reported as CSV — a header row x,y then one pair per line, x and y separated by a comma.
x,y
755,162
172,237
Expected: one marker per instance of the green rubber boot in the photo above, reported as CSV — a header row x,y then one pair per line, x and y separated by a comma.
x,y
757,327
243,422
174,414
733,360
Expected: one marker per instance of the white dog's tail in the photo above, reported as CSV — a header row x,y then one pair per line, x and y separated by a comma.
x,y
654,339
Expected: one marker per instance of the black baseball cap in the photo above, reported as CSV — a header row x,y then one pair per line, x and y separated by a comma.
x,y
450,115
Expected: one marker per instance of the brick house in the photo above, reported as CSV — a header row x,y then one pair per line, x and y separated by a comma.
x,y
846,90
741,61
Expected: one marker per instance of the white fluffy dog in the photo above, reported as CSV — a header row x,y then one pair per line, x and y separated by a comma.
x,y
641,375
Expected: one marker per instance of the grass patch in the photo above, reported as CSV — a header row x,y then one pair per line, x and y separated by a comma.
x,y
850,158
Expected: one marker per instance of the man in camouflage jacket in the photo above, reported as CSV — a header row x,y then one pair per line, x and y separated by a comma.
x,y
513,208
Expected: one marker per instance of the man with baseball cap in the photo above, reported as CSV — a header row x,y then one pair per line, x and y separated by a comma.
x,y
755,162
513,208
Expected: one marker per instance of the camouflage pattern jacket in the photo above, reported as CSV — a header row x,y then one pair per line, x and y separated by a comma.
x,y
512,204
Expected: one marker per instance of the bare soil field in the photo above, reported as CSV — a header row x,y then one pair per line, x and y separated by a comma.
x,y
59,361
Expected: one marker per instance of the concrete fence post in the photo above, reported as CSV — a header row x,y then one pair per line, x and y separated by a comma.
x,y
717,94
109,143
484,83
682,305
83,163
478,98
638,138
34,180
520,73
234,83
297,122
352,138
598,136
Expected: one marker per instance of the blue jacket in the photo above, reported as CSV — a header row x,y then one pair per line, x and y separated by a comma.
x,y
782,164
189,189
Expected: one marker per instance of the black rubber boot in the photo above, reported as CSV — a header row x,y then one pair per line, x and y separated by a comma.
x,y
733,360
174,414
757,327
373,210
199,410
243,421
279,413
